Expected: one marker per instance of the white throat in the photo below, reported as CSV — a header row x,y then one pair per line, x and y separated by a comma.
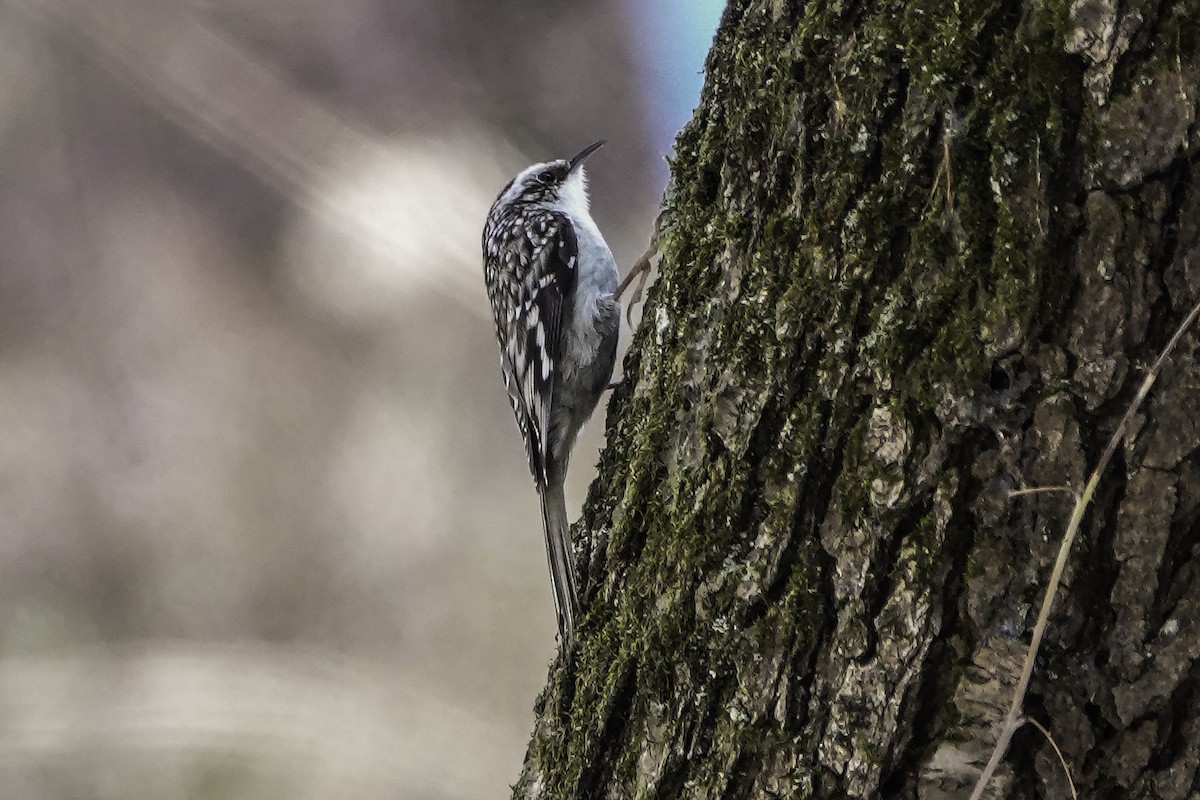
x,y
573,196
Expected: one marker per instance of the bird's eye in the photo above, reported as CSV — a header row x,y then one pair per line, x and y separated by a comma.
x,y
546,176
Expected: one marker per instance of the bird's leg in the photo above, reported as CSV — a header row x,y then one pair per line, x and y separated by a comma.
x,y
641,270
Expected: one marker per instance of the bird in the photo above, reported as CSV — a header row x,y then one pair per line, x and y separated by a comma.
x,y
551,279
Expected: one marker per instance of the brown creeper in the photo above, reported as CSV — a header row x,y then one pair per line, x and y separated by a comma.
x,y
550,277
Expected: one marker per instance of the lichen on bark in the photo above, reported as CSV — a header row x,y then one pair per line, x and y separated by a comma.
x,y
912,258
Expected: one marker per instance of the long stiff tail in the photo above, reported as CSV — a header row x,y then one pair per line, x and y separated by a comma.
x,y
561,558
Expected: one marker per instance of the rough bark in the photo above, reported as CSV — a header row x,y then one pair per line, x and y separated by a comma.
x,y
916,254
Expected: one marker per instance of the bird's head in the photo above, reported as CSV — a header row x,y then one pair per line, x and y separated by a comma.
x,y
560,184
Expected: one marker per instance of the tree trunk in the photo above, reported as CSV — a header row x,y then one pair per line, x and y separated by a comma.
x,y
916,255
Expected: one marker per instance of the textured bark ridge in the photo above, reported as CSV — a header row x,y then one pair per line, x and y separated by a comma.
x,y
916,255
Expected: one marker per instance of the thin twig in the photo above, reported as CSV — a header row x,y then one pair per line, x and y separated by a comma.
x,y
949,172
937,182
641,268
1011,722
1061,759
1042,490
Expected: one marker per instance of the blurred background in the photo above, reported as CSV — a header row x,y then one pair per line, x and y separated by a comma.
x,y
266,528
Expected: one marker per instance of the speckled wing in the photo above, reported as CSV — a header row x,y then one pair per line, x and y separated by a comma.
x,y
534,258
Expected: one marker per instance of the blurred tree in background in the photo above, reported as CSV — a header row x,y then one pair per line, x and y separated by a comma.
x,y
266,526
916,256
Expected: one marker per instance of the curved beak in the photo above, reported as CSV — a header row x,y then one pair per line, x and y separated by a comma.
x,y
584,153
